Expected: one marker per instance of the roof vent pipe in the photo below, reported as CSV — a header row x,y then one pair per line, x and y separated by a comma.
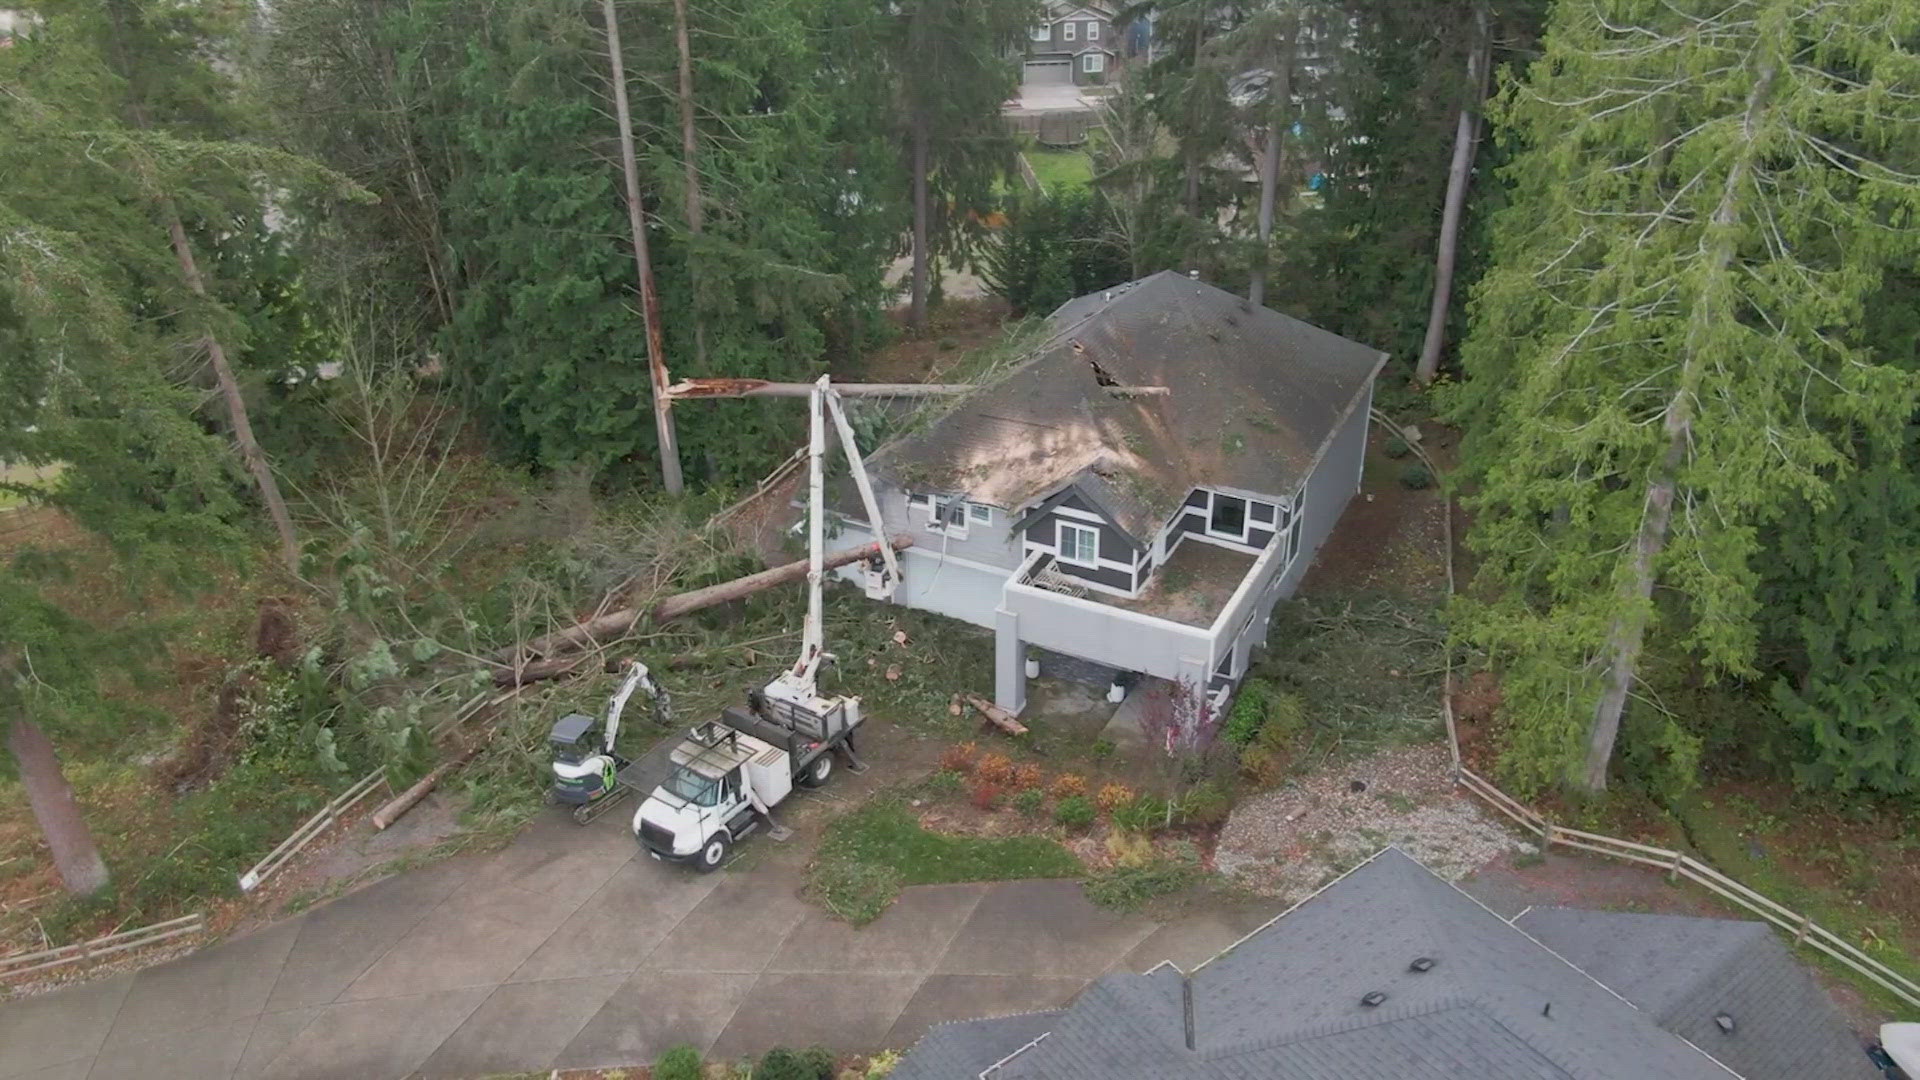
x,y
1193,275
1724,1023
1373,998
1421,964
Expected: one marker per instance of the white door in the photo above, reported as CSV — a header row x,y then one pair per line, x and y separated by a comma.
x,y
1049,73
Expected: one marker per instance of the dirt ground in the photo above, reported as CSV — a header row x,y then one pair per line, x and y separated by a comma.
x,y
1391,536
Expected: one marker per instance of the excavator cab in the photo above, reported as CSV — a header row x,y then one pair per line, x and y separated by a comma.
x,y
575,738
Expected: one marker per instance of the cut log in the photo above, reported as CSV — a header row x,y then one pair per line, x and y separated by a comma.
x,y
615,623
997,716
407,799
537,671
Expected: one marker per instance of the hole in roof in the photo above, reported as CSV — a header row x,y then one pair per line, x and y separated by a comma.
x,y
1421,963
1372,998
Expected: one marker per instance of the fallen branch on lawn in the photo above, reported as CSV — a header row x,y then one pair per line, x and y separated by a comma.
x,y
997,716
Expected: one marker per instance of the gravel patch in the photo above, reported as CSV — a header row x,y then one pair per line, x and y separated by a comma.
x,y
1290,841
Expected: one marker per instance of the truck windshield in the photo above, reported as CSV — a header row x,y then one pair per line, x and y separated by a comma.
x,y
693,787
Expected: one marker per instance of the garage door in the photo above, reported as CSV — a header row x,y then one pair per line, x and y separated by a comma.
x,y
1049,73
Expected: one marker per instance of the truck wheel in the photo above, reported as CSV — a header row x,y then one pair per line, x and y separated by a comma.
x,y
818,770
713,855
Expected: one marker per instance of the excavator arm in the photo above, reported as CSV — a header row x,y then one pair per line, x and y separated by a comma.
x,y
637,677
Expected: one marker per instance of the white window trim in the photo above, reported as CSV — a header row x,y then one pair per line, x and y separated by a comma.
x,y
934,523
1093,63
1061,530
1246,517
1067,31
979,512
1042,33
1093,31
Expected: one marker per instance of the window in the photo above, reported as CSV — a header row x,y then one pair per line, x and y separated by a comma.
x,y
1066,30
1093,63
1093,31
949,516
1079,544
1229,518
979,513
1042,33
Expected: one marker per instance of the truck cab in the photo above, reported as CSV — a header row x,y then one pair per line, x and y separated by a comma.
x,y
718,788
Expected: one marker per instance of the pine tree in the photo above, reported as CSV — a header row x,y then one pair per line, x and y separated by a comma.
x,y
952,63
1665,353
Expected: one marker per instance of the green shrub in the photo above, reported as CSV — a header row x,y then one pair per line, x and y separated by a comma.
x,y
1249,712
1415,476
1103,748
1128,888
1397,447
1029,802
1206,804
679,1063
1075,812
1286,718
946,782
1143,815
780,1063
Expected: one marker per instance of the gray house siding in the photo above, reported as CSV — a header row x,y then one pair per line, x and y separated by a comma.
x,y
931,581
991,544
1335,479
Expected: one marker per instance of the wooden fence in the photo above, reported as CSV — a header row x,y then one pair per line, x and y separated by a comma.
x,y
1061,127
102,947
312,828
1678,864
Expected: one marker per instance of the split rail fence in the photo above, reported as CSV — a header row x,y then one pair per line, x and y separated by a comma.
x,y
1676,864
311,829
101,947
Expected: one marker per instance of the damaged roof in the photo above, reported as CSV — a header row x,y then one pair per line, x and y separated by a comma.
x,y
1256,396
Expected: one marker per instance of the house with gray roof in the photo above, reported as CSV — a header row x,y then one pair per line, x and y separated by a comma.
x,y
1391,973
1152,533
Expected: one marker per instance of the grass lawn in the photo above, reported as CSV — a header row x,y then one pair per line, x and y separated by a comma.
x,y
1060,169
873,852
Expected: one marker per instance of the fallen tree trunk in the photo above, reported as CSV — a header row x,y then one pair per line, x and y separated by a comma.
x,y
688,389
406,800
619,621
537,671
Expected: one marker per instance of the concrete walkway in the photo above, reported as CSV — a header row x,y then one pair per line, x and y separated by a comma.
x,y
566,949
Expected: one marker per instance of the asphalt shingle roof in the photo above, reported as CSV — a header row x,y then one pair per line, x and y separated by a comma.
x,y
1256,396
969,1046
1495,1004
1686,971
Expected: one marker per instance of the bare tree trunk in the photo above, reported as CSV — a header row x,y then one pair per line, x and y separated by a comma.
x,y
1466,139
250,452
74,854
642,261
917,309
1627,635
689,158
1193,115
1279,121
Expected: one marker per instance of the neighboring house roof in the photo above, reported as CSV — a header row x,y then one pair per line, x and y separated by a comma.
x,y
965,1047
1496,1004
1256,397
1057,12
1687,971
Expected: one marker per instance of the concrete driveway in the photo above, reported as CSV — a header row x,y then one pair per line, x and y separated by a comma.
x,y
567,949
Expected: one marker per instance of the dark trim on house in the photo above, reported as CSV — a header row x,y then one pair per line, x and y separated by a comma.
x,y
1113,579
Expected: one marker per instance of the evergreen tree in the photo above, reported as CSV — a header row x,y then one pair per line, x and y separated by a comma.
x,y
953,64
1666,350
